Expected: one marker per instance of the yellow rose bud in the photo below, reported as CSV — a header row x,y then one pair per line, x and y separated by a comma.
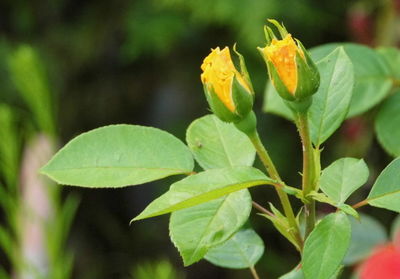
x,y
228,91
282,54
291,70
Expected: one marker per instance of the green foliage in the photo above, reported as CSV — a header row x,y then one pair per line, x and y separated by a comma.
x,y
326,246
242,250
281,223
331,102
61,261
203,187
9,145
274,104
28,74
296,273
344,176
161,270
385,192
145,26
392,57
320,197
9,200
375,74
29,77
387,125
209,208
216,144
3,274
197,229
366,234
8,245
195,14
106,157
373,79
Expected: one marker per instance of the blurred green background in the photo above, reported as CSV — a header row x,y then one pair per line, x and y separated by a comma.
x,y
138,62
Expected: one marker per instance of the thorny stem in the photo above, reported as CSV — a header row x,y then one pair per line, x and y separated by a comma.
x,y
309,167
270,167
254,272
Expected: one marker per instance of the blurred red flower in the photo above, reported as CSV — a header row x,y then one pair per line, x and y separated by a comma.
x,y
384,263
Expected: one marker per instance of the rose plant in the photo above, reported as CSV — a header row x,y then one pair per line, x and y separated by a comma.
x,y
317,90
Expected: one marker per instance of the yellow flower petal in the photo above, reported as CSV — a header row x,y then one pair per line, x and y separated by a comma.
x,y
282,54
218,72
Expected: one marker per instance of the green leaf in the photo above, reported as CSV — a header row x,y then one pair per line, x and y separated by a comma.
x,y
392,57
204,187
340,179
366,234
332,100
242,250
119,155
337,272
372,75
326,246
387,125
196,229
216,144
385,193
295,273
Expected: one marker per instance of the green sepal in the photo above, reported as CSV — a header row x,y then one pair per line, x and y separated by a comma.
x,y
307,75
307,57
218,107
269,34
278,83
299,106
282,30
242,99
308,80
243,69
281,223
